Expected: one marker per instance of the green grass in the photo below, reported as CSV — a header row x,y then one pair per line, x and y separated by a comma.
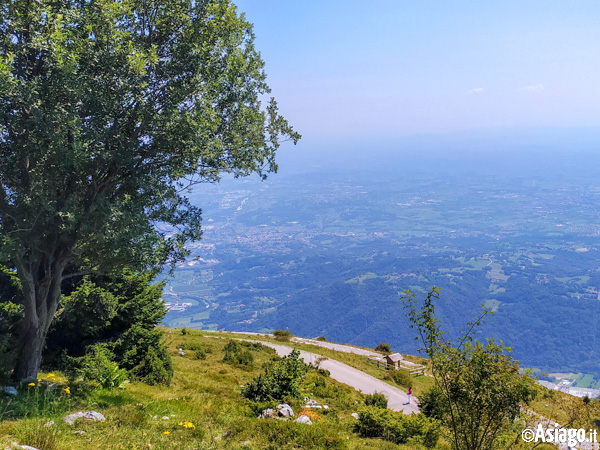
x,y
205,393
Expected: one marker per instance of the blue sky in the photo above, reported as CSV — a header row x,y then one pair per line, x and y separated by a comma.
x,y
355,70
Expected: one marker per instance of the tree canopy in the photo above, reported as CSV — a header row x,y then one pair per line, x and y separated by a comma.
x,y
478,389
109,111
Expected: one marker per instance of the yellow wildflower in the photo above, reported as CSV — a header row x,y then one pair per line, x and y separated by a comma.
x,y
167,432
67,390
31,384
51,375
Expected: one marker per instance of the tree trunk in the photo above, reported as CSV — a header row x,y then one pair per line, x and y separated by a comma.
x,y
41,283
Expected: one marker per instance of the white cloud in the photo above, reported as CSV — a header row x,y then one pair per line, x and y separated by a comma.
x,y
534,88
477,91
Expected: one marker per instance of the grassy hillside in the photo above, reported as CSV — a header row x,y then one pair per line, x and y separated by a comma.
x,y
204,409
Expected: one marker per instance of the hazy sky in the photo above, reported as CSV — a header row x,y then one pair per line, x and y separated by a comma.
x,y
354,69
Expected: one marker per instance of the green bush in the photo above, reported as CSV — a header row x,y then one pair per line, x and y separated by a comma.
x,y
200,354
141,352
282,335
401,378
234,354
431,405
383,347
322,339
377,399
374,422
98,366
280,379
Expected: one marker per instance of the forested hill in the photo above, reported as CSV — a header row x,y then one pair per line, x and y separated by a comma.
x,y
326,251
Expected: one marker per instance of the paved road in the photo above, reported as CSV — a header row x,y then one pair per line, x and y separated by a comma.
x,y
337,347
397,399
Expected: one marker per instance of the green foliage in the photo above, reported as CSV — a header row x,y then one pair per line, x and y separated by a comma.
x,y
322,339
200,354
234,354
142,352
110,110
282,335
98,366
183,331
479,390
383,347
377,399
431,404
401,377
280,379
11,312
393,426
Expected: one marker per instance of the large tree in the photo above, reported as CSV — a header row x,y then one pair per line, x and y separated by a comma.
x,y
109,111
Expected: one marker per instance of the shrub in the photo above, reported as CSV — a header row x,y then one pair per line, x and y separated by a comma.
x,y
282,335
200,354
143,353
279,380
397,428
377,399
401,378
98,366
234,354
322,339
431,405
383,347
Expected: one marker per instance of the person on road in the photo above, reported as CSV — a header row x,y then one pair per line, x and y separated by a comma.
x,y
409,394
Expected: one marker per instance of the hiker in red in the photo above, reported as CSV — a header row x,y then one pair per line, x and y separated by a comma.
x,y
409,394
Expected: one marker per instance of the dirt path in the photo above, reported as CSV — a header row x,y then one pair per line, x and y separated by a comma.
x,y
397,399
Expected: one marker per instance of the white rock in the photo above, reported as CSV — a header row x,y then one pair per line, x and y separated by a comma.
x,y
10,390
91,416
304,419
49,424
267,414
165,418
27,447
355,415
285,410
325,406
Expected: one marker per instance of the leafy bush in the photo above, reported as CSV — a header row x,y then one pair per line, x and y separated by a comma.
x,y
431,404
322,339
200,354
282,335
234,354
141,351
280,379
98,366
383,347
401,378
377,399
395,427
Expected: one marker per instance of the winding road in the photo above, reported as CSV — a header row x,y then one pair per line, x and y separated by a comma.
x,y
397,399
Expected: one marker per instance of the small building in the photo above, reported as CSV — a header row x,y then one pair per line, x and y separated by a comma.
x,y
394,360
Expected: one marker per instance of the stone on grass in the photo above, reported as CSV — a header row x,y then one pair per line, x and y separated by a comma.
x,y
355,415
28,447
285,410
267,414
304,419
49,424
88,416
10,390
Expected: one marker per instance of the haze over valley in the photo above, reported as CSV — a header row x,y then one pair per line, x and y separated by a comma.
x,y
325,250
